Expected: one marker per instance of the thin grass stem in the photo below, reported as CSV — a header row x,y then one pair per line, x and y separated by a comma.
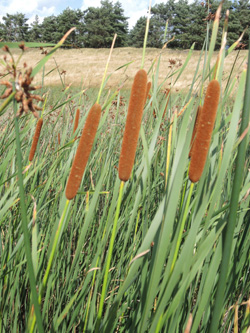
x,y
112,240
30,268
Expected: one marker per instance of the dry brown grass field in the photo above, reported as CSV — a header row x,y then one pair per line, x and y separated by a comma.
x,y
86,66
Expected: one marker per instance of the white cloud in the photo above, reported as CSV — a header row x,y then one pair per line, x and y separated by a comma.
x,y
31,8
42,13
134,17
15,6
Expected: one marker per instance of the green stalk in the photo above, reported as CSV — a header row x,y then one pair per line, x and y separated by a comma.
x,y
112,240
146,35
106,69
51,257
182,227
229,231
52,254
31,273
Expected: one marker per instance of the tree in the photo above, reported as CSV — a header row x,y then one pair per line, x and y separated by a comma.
x,y
102,23
163,13
242,13
15,28
155,33
198,24
49,30
181,25
35,30
68,19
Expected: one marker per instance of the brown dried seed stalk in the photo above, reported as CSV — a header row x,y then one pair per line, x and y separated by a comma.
x,y
35,139
197,119
83,151
133,124
76,120
147,91
204,131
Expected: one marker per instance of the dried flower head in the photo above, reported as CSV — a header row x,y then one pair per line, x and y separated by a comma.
x,y
21,83
5,48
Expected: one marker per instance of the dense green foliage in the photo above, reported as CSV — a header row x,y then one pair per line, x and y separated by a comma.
x,y
95,27
157,253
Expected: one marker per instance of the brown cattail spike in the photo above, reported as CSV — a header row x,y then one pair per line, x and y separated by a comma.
x,y
35,139
147,92
133,124
204,131
197,119
76,120
83,151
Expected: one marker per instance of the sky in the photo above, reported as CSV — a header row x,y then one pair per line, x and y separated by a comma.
x,y
133,9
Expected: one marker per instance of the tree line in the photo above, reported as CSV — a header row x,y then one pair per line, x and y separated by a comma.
x,y
95,27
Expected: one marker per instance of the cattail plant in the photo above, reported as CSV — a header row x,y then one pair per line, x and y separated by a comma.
x,y
133,124
197,119
204,131
76,120
35,139
83,151
149,84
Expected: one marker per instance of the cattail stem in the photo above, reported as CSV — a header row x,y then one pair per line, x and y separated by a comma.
x,y
133,124
83,151
184,219
204,131
146,35
106,69
35,139
26,235
110,250
51,257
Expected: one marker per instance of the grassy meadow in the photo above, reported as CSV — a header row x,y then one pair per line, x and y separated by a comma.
x,y
156,253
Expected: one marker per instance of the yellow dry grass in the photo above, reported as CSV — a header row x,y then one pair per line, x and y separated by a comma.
x,y
86,66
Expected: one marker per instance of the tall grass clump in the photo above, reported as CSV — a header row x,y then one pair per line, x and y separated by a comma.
x,y
152,251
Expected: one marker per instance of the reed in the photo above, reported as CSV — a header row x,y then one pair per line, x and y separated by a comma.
x,y
83,151
197,119
76,120
35,139
167,95
149,84
133,124
204,131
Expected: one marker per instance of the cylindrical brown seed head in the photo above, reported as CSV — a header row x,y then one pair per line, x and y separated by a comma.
x,y
204,131
83,151
147,92
35,138
76,120
197,119
133,124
